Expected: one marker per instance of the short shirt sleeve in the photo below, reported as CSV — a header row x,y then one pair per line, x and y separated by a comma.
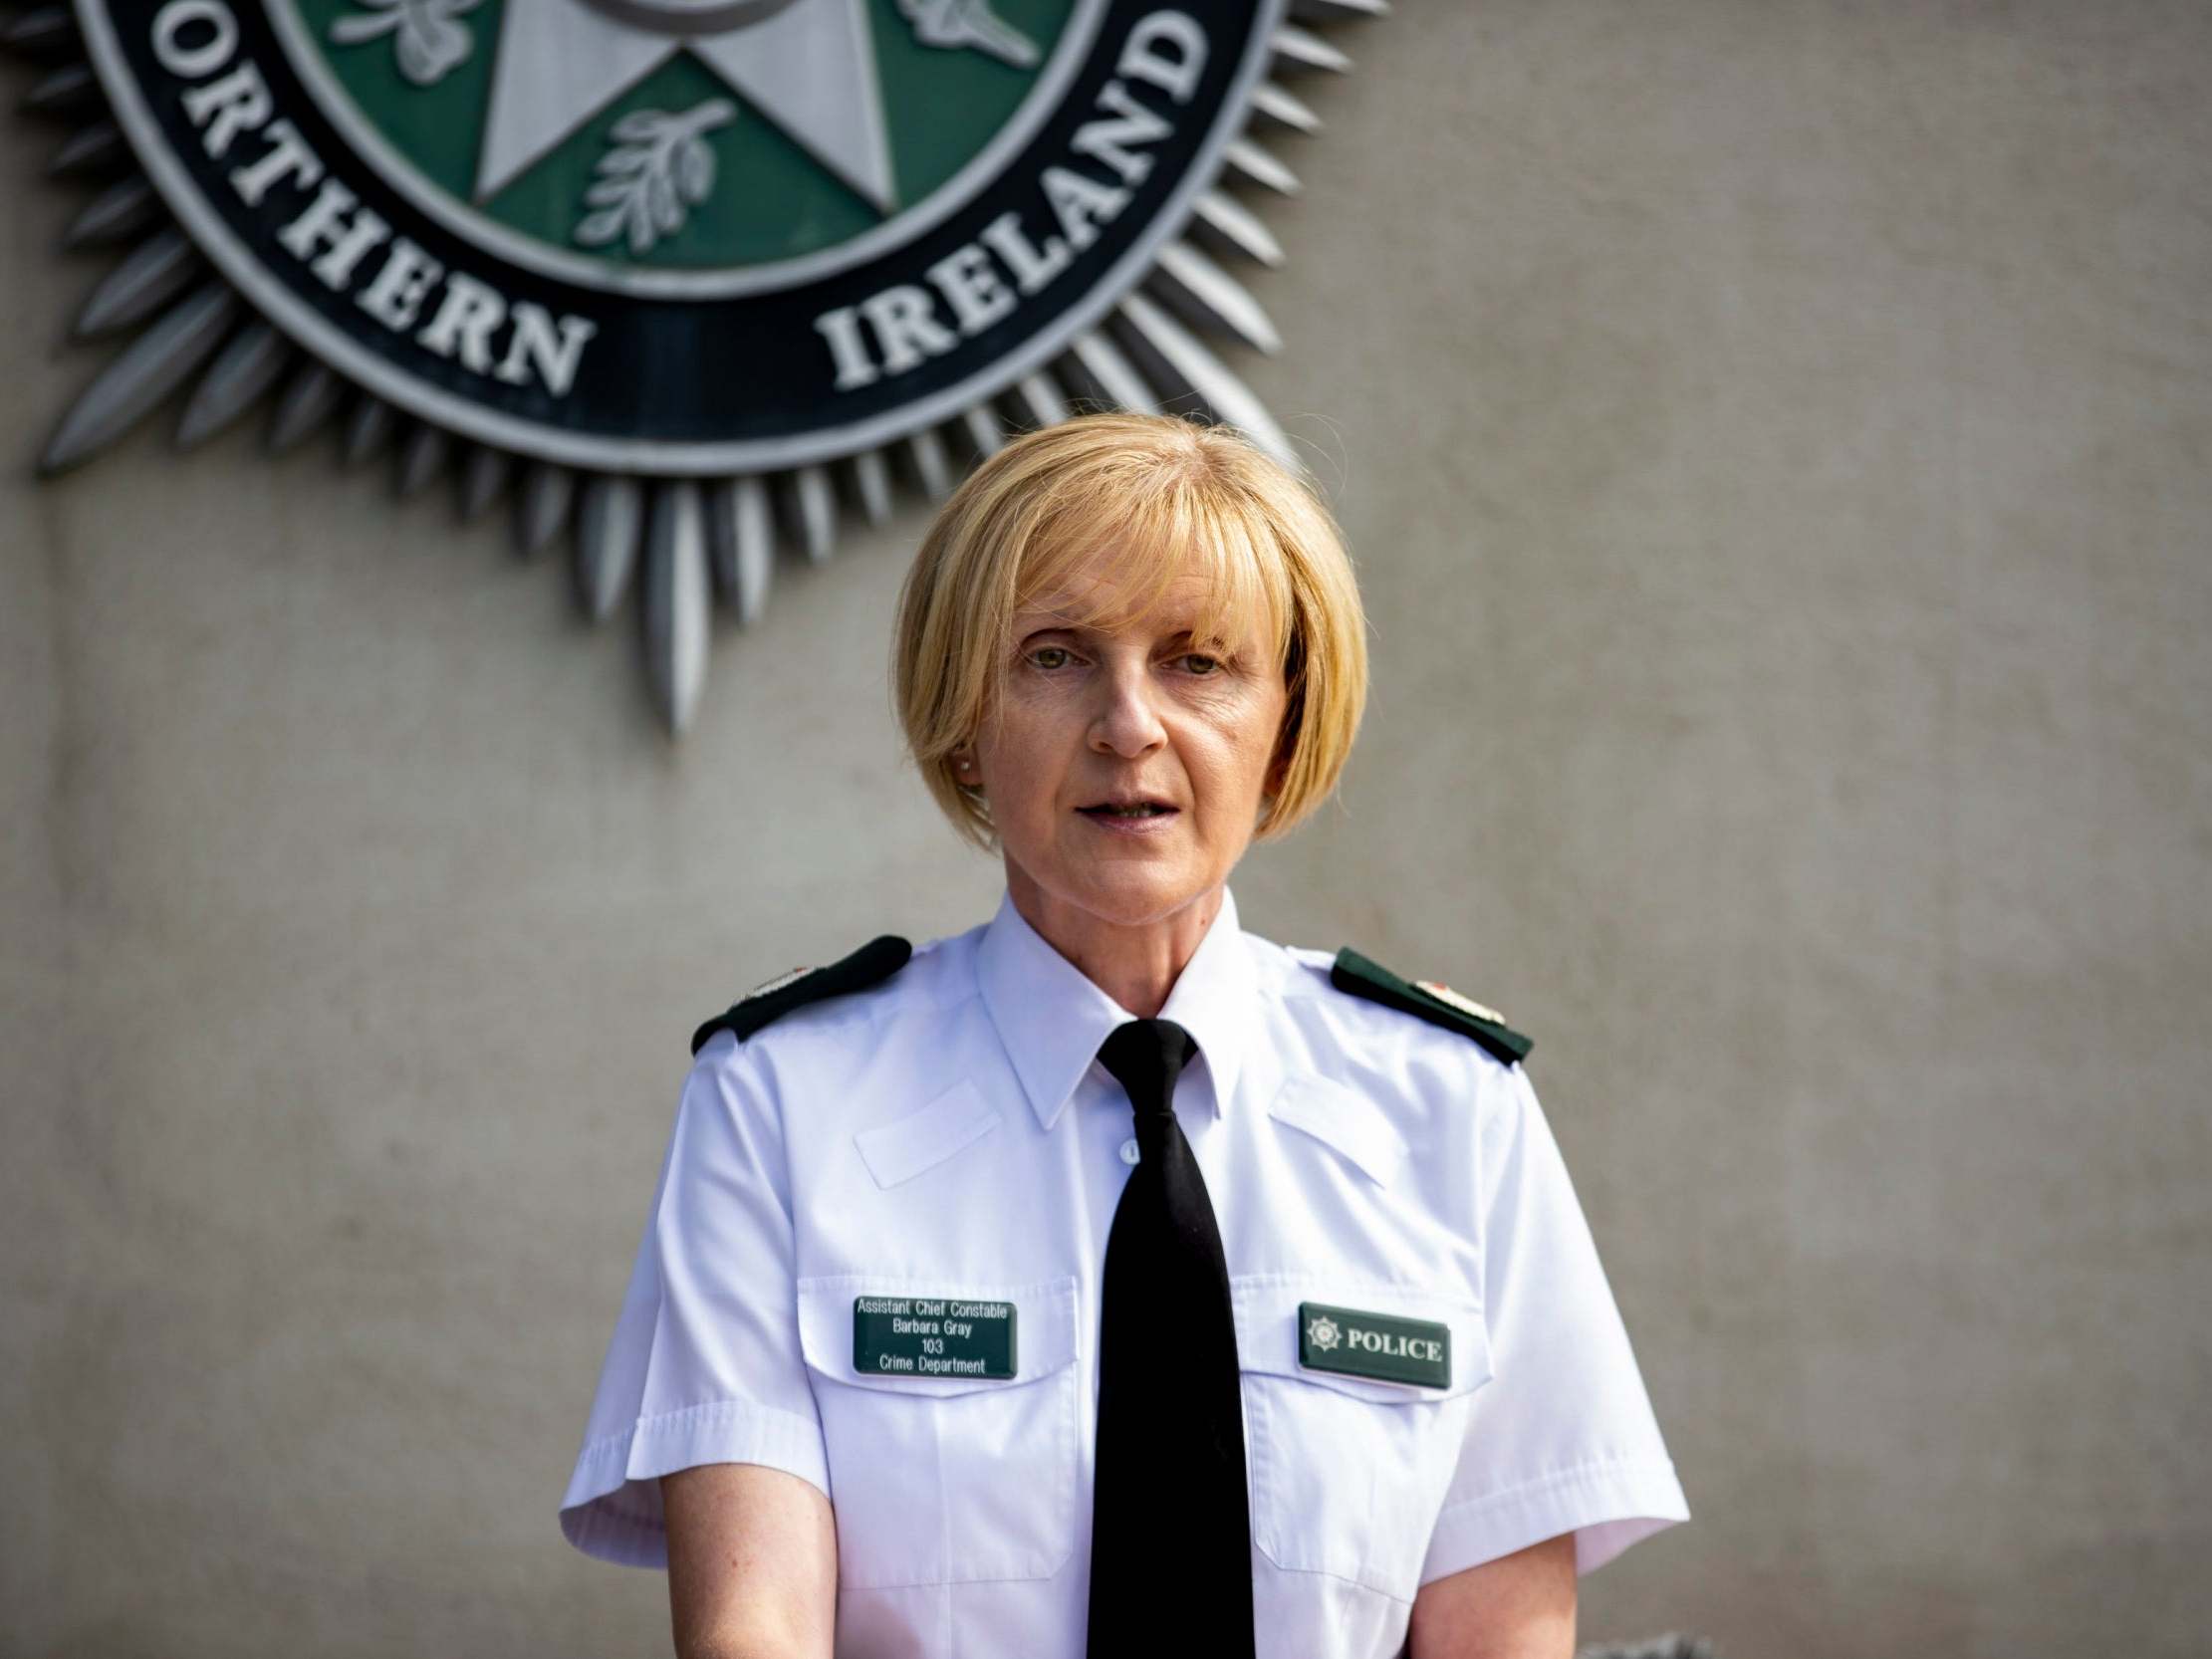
x,y
704,1365
1562,1439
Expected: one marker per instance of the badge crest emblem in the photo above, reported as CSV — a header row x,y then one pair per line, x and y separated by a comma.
x,y
1322,1332
680,274
1459,1000
769,987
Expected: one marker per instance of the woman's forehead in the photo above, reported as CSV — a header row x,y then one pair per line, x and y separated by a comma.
x,y
1120,592
1119,582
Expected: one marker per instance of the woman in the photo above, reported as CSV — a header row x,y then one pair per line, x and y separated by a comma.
x,y
1106,1277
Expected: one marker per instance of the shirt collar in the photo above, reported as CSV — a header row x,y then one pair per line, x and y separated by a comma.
x,y
1053,1019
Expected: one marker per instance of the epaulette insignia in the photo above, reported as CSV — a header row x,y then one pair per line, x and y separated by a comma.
x,y
871,964
1431,999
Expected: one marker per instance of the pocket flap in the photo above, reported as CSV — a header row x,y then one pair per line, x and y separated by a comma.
x,y
1345,1121
1043,1328
902,1149
1267,1308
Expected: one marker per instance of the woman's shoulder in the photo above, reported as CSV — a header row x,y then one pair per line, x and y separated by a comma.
x,y
1348,996
1406,1086
885,982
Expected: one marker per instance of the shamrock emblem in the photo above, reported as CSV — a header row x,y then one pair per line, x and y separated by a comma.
x,y
425,34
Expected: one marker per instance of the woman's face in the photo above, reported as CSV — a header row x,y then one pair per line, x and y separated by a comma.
x,y
1126,765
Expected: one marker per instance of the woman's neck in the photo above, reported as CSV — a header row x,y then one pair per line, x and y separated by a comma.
x,y
1136,965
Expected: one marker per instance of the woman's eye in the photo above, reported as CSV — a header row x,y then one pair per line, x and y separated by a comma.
x,y
1197,662
1048,656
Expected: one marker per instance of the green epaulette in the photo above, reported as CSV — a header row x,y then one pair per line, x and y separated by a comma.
x,y
871,964
1429,999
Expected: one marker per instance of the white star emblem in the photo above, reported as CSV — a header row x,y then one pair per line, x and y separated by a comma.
x,y
809,66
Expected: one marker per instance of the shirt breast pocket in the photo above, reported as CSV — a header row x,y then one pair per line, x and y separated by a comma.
x,y
938,1479
1349,1473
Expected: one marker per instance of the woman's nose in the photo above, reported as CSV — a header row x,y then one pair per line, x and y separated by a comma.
x,y
1127,723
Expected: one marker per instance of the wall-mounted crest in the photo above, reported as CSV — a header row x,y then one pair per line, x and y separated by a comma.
x,y
682,275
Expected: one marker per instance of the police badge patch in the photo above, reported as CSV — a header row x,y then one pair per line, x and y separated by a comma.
x,y
676,258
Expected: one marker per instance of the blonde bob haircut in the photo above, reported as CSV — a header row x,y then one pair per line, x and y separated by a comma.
x,y
1181,498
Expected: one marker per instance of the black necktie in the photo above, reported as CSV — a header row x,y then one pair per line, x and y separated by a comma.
x,y
1171,1527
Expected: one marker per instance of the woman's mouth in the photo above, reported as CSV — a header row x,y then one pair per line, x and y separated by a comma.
x,y
1130,815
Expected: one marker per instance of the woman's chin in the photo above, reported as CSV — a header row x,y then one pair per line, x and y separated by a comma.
x,y
1121,882
1134,894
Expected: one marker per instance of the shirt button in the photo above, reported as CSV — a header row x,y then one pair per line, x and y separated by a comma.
x,y
1129,1150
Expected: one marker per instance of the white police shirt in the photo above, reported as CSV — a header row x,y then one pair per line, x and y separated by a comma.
x,y
949,1136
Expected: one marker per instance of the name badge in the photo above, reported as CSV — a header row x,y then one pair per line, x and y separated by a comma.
x,y
1381,1345
917,1336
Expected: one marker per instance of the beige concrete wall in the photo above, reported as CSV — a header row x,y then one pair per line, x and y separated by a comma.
x,y
1776,437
